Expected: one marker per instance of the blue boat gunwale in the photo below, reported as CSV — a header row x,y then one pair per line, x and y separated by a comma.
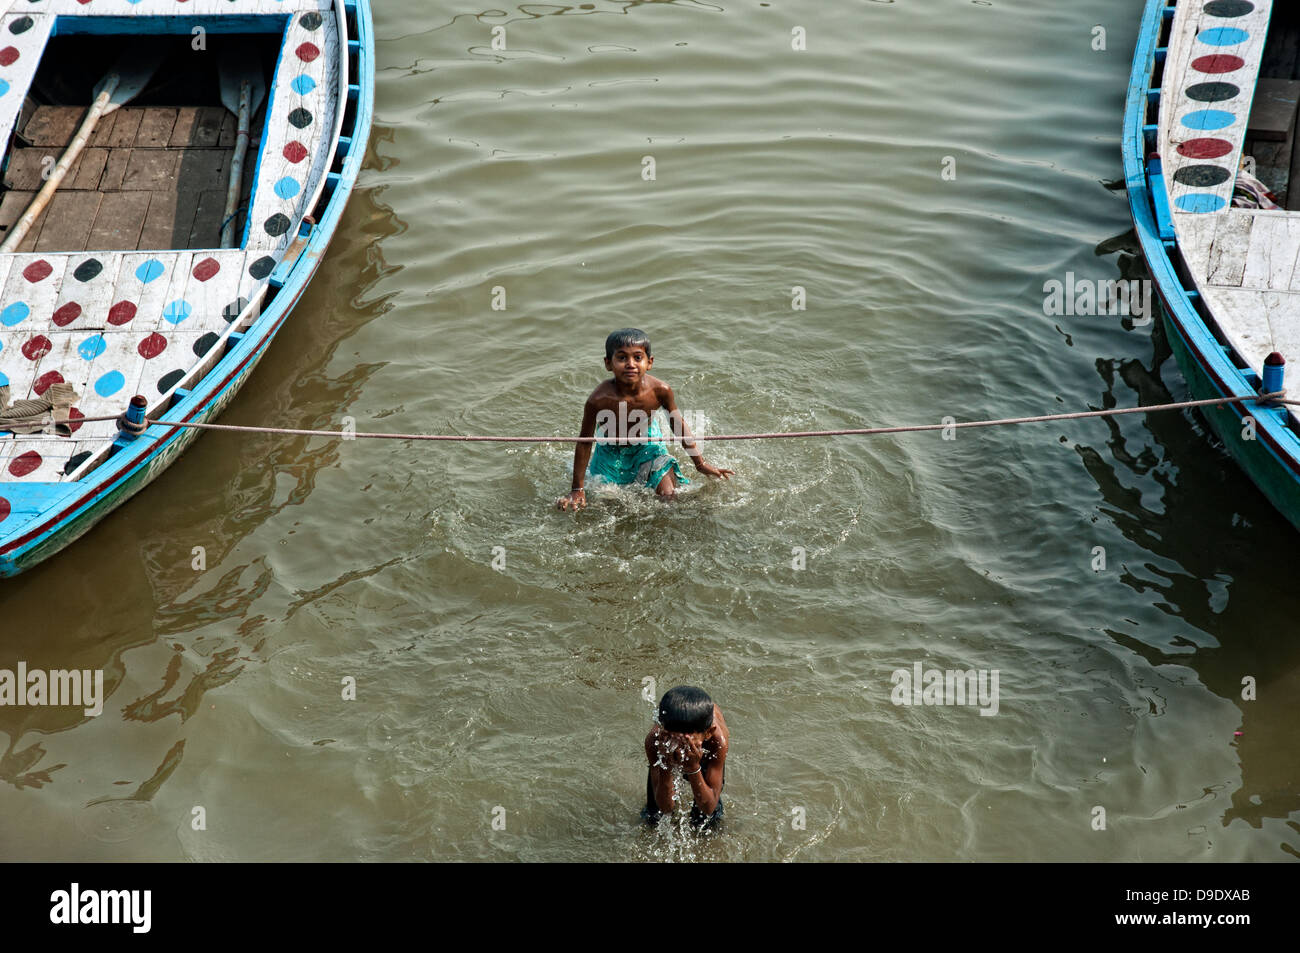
x,y
77,498
1272,425
163,24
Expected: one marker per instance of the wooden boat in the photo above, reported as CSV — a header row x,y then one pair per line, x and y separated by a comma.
x,y
120,297
1212,97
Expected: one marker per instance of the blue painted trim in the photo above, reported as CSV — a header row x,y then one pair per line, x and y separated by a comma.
x,y
1146,195
151,25
44,500
1160,200
281,273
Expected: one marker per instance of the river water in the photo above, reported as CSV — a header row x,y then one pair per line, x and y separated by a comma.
x,y
921,169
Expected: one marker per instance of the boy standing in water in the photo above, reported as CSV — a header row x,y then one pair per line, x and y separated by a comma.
x,y
624,407
689,736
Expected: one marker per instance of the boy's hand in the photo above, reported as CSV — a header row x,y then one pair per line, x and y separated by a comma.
x,y
689,754
576,498
675,749
713,471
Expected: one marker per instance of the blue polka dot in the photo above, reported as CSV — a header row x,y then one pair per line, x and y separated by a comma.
x,y
1204,119
109,384
1223,36
177,311
4,87
4,379
150,270
92,347
287,187
14,314
303,85
1200,202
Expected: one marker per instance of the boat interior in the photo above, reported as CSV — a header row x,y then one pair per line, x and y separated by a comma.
x,y
1271,133
154,173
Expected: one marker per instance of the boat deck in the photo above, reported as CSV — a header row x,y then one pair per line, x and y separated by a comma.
x,y
151,177
120,288
1243,261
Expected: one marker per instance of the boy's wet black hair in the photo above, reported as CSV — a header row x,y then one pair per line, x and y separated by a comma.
x,y
626,337
686,709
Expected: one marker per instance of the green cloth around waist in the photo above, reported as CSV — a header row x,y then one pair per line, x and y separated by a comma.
x,y
635,463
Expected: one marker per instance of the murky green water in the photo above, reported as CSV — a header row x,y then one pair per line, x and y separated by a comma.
x,y
520,687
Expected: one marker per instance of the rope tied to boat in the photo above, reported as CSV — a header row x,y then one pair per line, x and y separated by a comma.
x,y
1274,396
126,425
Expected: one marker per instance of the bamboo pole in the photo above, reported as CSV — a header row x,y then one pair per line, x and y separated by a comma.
x,y
101,104
237,166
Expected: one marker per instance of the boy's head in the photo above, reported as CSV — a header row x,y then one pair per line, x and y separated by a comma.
x,y
686,709
626,338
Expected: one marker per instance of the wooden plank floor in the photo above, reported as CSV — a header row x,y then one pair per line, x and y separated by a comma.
x,y
1246,265
152,178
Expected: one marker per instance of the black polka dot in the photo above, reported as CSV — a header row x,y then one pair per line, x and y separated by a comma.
x,y
21,25
277,224
204,344
88,269
310,21
233,310
1212,92
1202,176
170,380
262,267
300,118
1228,8
76,460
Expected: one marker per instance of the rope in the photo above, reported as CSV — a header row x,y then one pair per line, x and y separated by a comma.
x,y
1274,397
241,208
863,431
46,418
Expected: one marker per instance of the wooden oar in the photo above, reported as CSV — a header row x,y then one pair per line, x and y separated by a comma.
x,y
124,82
242,90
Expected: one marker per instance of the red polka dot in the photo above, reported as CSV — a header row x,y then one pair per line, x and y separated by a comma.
x,y
307,52
74,414
37,347
121,312
1218,63
4,509
38,270
152,346
295,151
45,380
24,463
8,55
67,314
206,269
1205,148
